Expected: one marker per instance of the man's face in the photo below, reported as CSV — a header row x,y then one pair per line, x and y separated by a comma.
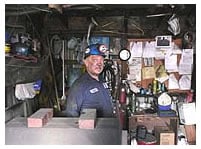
x,y
94,64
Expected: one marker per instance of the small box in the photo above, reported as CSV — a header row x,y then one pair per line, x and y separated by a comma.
x,y
87,119
164,135
40,117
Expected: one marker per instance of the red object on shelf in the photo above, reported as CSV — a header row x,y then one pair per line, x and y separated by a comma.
x,y
189,97
122,97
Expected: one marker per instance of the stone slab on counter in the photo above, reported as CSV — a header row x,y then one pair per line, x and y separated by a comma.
x,y
63,131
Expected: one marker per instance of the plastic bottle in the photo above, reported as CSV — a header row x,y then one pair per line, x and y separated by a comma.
x,y
154,86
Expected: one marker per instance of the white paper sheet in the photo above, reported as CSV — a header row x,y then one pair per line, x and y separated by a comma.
x,y
187,56
173,82
134,74
135,62
149,49
136,49
185,68
159,54
185,82
135,66
186,62
176,49
171,62
187,113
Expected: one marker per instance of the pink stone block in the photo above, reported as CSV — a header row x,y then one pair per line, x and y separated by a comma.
x,y
87,119
40,117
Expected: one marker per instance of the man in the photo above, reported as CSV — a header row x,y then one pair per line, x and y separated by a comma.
x,y
89,91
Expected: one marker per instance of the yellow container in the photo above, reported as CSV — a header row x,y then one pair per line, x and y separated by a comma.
x,y
7,48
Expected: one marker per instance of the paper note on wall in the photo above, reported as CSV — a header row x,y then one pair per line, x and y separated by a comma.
x,y
148,73
187,113
185,82
173,82
186,62
135,66
136,49
159,54
149,49
185,68
171,63
136,62
134,74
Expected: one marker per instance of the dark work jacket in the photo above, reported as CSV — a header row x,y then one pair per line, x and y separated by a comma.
x,y
87,92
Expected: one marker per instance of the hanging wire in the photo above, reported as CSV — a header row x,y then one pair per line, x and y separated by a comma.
x,y
40,9
109,75
33,27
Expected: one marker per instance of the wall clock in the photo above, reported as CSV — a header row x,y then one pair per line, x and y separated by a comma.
x,y
124,54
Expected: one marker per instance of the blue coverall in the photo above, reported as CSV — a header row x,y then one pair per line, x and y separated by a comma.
x,y
87,92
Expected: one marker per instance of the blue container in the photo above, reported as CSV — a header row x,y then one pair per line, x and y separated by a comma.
x,y
168,107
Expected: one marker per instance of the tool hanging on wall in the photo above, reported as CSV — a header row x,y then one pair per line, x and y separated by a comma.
x,y
63,76
53,75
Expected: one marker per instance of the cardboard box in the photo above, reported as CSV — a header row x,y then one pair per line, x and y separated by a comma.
x,y
164,135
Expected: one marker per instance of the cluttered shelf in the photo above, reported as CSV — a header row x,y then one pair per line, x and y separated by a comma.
x,y
25,61
168,68
150,124
24,69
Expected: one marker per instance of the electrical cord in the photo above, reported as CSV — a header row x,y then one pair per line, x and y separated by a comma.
x,y
109,75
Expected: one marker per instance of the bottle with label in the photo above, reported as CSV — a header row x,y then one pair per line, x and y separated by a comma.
x,y
163,89
154,86
149,89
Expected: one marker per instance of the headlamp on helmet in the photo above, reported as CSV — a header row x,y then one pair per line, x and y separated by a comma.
x,y
95,49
